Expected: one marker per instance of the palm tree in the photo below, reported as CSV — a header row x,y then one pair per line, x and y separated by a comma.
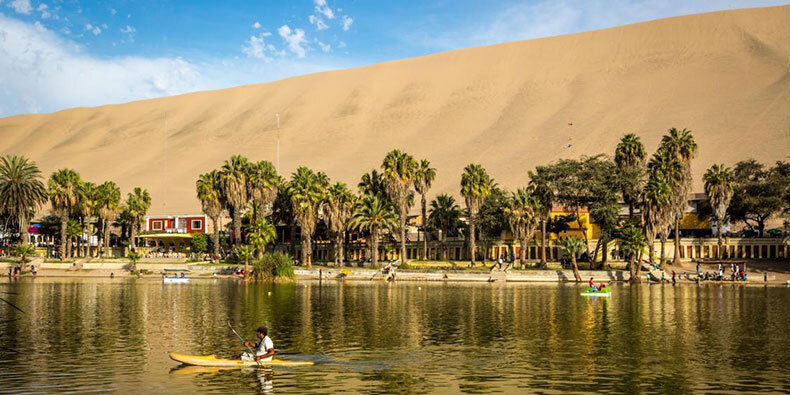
x,y
233,178
372,184
574,246
682,145
399,170
87,209
62,189
445,217
663,167
542,185
21,191
657,212
476,185
108,207
630,156
262,185
259,234
719,181
209,192
339,207
73,231
632,242
245,252
138,201
306,190
373,216
423,179
521,217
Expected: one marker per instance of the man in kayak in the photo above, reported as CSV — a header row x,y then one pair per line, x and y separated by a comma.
x,y
264,349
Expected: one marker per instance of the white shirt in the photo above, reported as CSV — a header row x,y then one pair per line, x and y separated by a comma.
x,y
262,347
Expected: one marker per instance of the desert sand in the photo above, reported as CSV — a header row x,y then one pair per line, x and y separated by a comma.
x,y
724,75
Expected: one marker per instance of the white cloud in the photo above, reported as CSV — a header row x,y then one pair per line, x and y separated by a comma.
x,y
323,8
341,44
347,22
294,38
39,71
257,48
129,31
113,11
21,6
318,22
96,30
256,25
324,47
44,10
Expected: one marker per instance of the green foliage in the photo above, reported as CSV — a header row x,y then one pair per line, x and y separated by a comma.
x,y
199,243
273,265
560,223
445,215
23,251
22,191
573,246
632,241
758,193
244,252
260,233
133,259
491,219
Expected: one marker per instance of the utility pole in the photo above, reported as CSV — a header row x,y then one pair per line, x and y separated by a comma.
x,y
278,143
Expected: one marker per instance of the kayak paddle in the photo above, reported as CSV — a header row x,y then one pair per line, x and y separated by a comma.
x,y
244,342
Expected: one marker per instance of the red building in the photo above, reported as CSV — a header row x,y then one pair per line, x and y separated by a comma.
x,y
176,223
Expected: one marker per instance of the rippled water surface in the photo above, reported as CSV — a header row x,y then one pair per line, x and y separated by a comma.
x,y
102,334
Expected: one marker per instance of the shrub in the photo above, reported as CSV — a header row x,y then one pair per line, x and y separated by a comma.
x,y
199,243
272,265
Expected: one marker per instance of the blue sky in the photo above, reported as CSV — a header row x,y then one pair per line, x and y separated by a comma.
x,y
56,54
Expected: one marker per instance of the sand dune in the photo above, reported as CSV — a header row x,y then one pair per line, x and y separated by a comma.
x,y
724,75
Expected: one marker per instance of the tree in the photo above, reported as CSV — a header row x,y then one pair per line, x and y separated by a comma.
x,y
630,156
372,184
574,246
682,145
491,220
24,251
306,190
444,217
757,195
659,202
339,207
260,233
520,212
263,183
88,203
108,207
199,243
233,178
373,216
719,181
244,252
138,201
209,192
476,185
399,169
423,179
62,189
632,242
22,191
73,231
133,259
542,184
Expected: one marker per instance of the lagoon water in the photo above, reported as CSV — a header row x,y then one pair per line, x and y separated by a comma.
x,y
115,335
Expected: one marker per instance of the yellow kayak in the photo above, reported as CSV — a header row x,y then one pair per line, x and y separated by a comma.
x,y
210,360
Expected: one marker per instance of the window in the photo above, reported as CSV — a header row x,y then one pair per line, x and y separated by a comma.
x,y
197,224
156,225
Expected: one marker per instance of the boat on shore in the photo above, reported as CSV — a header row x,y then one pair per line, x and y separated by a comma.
x,y
175,280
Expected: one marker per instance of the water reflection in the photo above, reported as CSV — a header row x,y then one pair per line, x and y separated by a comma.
x,y
419,337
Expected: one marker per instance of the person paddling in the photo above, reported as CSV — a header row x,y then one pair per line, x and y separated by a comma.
x,y
264,349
